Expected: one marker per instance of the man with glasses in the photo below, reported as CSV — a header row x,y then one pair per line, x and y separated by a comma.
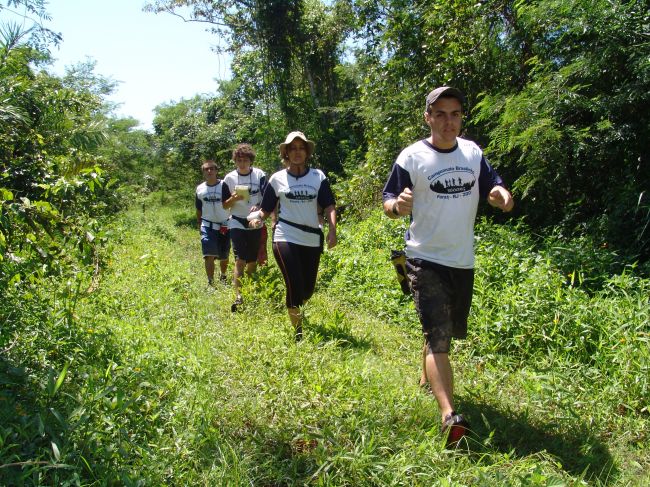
x,y
212,220
438,182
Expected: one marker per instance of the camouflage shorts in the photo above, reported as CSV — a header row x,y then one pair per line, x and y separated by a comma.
x,y
442,296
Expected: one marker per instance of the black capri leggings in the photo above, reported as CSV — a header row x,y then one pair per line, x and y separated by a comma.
x,y
299,266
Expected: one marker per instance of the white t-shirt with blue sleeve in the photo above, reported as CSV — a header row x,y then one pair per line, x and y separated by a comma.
x,y
446,186
299,198
209,201
255,180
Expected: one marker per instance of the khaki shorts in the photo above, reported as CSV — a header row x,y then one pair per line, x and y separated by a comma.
x,y
443,296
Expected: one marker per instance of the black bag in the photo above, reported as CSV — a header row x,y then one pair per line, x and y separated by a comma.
x,y
308,229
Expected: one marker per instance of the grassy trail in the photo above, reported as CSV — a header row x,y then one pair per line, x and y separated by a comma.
x,y
202,396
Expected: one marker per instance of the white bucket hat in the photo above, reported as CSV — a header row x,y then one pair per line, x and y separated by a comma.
x,y
290,138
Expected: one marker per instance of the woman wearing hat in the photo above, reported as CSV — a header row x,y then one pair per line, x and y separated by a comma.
x,y
298,191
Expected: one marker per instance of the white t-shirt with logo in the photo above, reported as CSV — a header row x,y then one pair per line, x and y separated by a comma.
x,y
446,186
299,198
255,180
209,200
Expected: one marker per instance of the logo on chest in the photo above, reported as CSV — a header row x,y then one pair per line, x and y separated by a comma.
x,y
301,192
452,180
212,198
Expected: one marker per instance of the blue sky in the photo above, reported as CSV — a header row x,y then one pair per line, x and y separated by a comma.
x,y
157,58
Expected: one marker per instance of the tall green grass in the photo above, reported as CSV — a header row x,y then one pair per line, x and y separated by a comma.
x,y
150,380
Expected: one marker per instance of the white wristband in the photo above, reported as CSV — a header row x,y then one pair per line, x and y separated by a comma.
x,y
255,215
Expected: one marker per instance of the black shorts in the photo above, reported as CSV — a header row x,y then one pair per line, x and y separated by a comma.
x,y
245,243
215,243
443,296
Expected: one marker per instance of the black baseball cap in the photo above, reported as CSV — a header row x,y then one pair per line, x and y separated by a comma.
x,y
444,91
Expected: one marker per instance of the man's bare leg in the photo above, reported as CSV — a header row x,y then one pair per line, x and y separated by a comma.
x,y
236,276
441,379
223,264
423,377
250,268
209,267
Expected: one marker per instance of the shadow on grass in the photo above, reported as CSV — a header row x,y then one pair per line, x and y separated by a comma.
x,y
13,380
24,444
185,220
254,454
577,449
289,458
341,335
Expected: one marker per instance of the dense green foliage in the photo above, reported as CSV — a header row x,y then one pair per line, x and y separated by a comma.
x,y
51,187
60,155
576,134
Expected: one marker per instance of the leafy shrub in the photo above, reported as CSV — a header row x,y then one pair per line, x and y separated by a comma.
x,y
45,358
267,285
527,308
359,270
